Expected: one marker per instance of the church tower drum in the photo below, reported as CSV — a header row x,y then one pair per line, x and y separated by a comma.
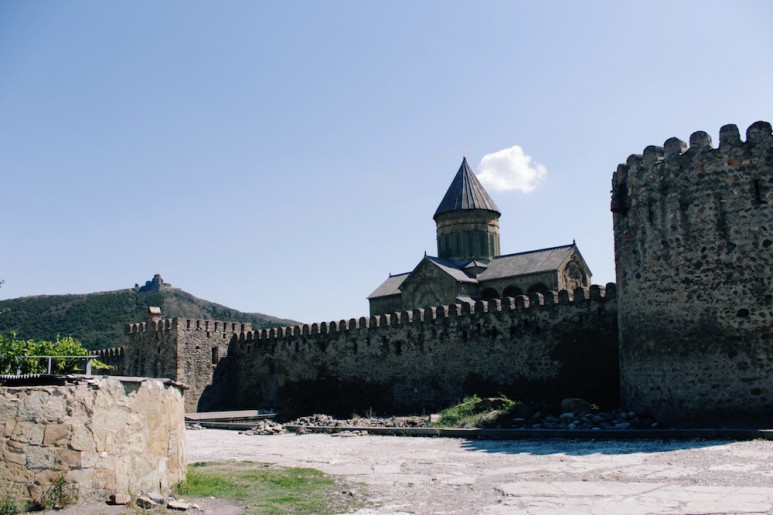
x,y
467,220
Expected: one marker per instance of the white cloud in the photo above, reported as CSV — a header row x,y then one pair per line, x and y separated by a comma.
x,y
510,169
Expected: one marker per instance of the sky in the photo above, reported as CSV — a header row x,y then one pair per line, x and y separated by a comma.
x,y
286,157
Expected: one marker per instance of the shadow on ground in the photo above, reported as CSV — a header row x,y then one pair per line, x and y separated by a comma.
x,y
586,447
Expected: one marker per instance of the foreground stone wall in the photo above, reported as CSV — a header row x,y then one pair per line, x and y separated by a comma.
x,y
694,256
540,348
103,435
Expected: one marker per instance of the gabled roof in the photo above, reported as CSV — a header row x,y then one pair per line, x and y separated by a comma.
x,y
389,287
534,261
451,269
465,192
392,285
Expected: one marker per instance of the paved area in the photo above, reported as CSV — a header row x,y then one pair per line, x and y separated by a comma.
x,y
455,476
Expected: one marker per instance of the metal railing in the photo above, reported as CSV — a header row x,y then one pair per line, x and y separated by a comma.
x,y
88,359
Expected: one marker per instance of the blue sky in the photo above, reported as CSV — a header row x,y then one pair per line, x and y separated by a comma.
x,y
285,157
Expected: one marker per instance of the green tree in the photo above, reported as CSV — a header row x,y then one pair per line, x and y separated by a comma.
x,y
15,355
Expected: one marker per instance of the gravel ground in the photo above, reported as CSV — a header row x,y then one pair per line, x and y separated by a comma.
x,y
454,476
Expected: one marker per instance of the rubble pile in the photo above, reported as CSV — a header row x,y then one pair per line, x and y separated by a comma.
x,y
154,501
616,419
319,420
265,427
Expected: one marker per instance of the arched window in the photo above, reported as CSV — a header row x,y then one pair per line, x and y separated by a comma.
x,y
512,291
489,294
538,288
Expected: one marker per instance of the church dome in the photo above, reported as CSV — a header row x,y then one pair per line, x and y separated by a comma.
x,y
465,193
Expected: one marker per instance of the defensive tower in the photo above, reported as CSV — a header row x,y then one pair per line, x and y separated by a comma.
x,y
693,231
467,220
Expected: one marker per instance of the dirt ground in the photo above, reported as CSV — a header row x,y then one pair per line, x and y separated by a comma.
x,y
405,475
453,476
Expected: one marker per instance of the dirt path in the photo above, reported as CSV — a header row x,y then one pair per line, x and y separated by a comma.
x,y
443,475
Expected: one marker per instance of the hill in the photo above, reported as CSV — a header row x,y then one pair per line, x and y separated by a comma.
x,y
97,319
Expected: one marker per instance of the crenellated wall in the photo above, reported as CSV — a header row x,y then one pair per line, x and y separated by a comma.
x,y
542,348
184,350
112,357
693,230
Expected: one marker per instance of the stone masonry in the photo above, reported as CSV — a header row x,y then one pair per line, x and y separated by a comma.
x,y
101,435
694,311
180,349
693,230
541,348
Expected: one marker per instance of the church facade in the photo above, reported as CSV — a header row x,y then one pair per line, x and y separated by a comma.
x,y
469,265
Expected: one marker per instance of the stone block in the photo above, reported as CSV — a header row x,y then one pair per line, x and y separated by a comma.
x,y
15,452
8,408
146,503
176,505
104,479
80,476
56,409
56,434
67,458
82,439
32,408
120,499
29,432
39,458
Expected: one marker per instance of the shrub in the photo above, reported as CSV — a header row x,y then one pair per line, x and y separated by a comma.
x,y
8,505
14,352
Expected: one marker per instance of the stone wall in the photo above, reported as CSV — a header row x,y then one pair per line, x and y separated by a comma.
x,y
540,348
180,349
693,233
102,435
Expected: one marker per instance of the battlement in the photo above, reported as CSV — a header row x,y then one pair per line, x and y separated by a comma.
x,y
521,304
661,170
187,324
114,352
694,261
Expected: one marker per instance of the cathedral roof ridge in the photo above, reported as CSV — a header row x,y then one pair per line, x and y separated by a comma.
x,y
546,249
465,192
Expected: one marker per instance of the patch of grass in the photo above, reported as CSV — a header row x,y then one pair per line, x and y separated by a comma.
x,y
269,489
474,411
56,496
8,505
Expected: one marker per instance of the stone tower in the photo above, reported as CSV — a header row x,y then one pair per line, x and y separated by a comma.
x,y
694,257
467,220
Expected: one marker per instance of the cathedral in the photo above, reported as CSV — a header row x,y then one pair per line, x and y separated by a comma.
x,y
468,266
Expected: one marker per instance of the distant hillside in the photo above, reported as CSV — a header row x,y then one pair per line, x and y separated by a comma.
x,y
97,319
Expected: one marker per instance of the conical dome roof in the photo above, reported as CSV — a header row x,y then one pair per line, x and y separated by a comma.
x,y
465,192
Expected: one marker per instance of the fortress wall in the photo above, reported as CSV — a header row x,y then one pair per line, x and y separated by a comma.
x,y
181,349
113,357
539,348
693,232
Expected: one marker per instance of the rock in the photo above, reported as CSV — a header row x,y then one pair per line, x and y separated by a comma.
x,y
265,427
174,504
622,425
120,499
156,497
575,405
146,502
